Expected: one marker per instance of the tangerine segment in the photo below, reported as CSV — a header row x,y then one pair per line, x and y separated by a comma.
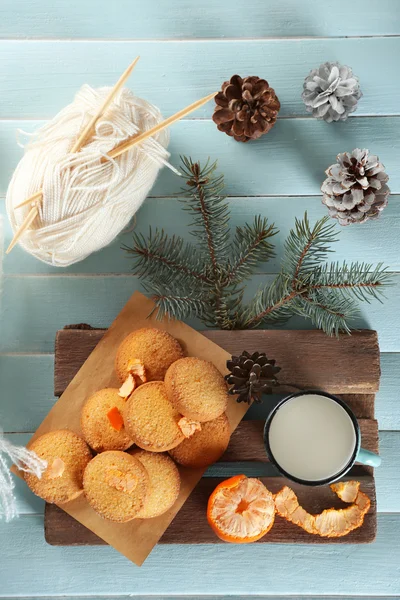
x,y
241,510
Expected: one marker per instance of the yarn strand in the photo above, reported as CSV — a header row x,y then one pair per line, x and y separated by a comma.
x,y
26,461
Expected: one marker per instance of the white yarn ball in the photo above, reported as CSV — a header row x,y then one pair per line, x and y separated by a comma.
x,y
86,202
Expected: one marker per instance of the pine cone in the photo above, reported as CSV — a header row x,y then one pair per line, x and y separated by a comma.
x,y
355,189
251,375
246,108
331,92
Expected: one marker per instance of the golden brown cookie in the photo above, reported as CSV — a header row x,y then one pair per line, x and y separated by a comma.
x,y
156,349
116,485
197,389
151,420
204,447
67,455
164,482
101,421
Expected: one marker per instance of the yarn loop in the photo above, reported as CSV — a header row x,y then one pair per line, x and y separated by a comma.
x,y
86,201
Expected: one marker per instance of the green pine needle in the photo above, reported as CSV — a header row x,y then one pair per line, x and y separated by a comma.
x,y
206,279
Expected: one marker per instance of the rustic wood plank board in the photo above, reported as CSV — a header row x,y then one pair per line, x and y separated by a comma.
x,y
27,405
190,525
75,342
309,359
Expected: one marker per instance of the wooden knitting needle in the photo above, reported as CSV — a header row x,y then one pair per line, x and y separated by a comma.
x,y
87,132
138,138
83,138
31,216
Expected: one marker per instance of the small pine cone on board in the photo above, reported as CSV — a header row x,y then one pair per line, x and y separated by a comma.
x,y
246,108
356,187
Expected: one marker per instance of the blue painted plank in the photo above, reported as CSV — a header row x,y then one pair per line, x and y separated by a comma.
x,y
232,570
355,243
387,399
387,484
387,480
290,160
38,78
27,384
55,301
133,19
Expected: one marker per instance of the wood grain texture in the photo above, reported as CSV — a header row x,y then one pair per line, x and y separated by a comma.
x,y
27,405
190,525
175,220
53,72
305,357
133,19
386,477
73,346
262,167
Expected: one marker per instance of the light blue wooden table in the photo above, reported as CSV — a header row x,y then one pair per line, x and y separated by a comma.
x,y
48,48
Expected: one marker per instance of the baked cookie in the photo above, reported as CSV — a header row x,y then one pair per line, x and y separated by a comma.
x,y
206,446
151,420
67,455
116,485
156,349
101,421
197,389
164,482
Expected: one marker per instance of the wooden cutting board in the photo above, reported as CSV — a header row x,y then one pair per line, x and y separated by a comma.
x,y
347,366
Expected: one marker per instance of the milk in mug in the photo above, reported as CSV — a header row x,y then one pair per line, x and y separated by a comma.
x,y
312,437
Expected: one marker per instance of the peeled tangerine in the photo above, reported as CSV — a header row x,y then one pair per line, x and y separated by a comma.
x,y
241,510
331,522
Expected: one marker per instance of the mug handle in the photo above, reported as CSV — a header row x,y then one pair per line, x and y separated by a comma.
x,y
366,457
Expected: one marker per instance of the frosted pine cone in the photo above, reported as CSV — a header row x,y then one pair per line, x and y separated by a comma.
x,y
355,189
331,92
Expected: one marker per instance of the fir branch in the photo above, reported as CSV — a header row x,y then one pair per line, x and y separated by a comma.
x,y
324,293
250,247
206,279
209,209
306,248
160,256
327,311
175,306
361,280
211,217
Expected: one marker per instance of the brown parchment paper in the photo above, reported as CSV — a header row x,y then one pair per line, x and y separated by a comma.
x,y
137,538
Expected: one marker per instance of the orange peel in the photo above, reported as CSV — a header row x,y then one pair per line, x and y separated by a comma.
x,y
188,427
127,387
241,510
123,482
115,418
136,376
331,522
138,370
56,469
